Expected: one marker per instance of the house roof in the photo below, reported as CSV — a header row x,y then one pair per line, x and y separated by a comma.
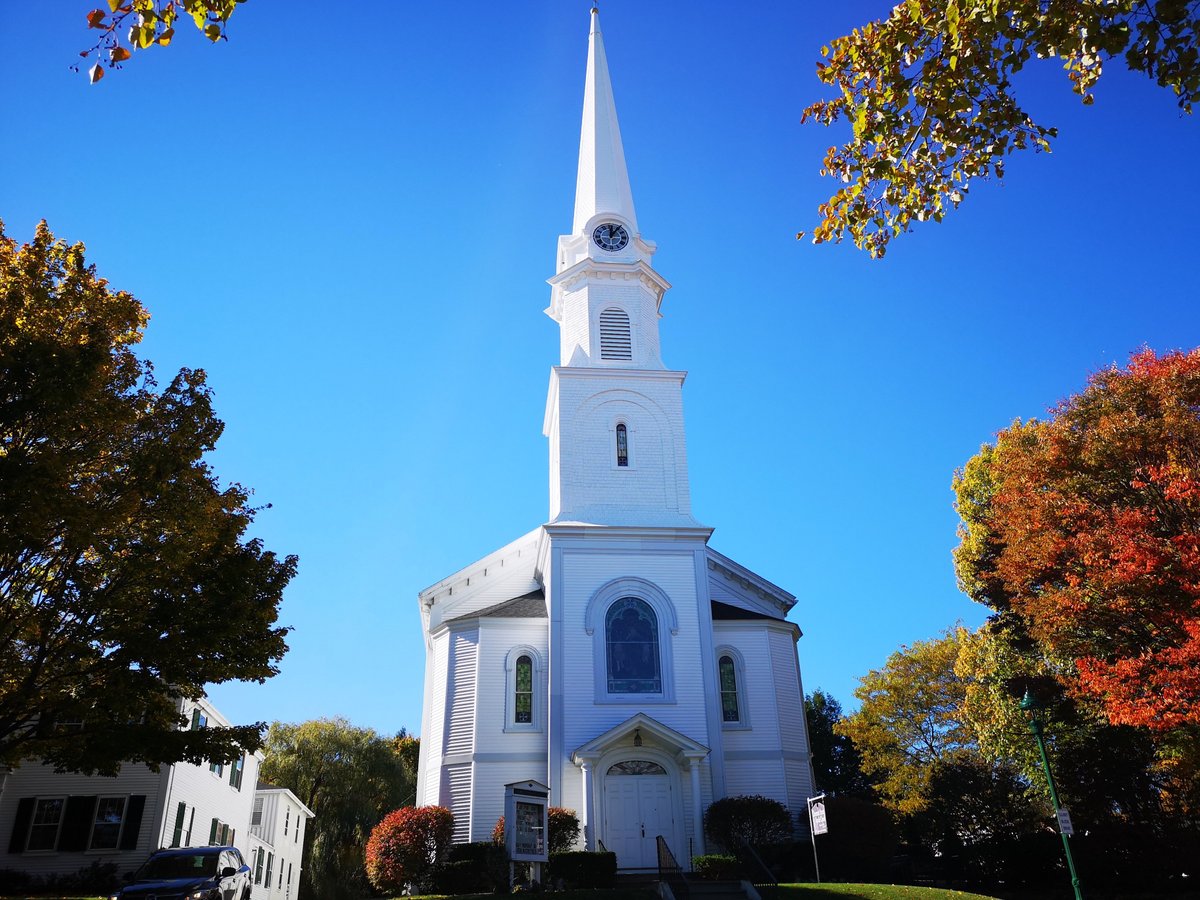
x,y
728,612
527,606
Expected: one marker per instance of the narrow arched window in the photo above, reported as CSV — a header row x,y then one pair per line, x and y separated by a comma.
x,y
631,638
729,696
622,445
523,696
616,339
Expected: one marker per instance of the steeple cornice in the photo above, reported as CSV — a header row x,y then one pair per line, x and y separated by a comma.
x,y
589,269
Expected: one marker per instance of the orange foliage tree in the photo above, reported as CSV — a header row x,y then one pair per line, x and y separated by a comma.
x,y
407,846
1087,527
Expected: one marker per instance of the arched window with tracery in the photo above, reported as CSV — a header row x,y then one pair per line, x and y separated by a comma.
x,y
631,640
523,691
729,694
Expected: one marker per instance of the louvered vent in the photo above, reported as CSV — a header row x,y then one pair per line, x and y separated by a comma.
x,y
615,339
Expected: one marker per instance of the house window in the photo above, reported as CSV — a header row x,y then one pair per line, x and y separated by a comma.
x,y
199,720
287,821
235,772
43,828
631,638
523,700
270,860
622,445
258,867
106,827
217,768
256,816
616,340
729,697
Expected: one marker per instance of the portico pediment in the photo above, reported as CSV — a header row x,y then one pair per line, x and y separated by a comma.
x,y
648,731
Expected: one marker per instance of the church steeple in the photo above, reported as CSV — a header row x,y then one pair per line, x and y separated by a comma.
x,y
602,185
614,412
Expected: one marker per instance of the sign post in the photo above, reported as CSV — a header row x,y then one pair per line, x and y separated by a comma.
x,y
817,825
526,820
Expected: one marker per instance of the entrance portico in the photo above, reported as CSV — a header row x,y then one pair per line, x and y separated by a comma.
x,y
635,779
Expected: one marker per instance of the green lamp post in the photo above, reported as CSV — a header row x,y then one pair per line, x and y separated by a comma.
x,y
1030,707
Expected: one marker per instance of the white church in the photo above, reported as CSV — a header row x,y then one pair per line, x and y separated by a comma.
x,y
611,654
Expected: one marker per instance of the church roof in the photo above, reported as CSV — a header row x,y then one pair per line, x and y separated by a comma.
x,y
729,612
602,183
527,606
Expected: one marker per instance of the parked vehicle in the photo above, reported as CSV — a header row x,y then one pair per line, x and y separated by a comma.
x,y
190,873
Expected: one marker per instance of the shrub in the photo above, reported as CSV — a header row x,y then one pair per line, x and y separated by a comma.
x,y
733,822
583,869
717,867
489,860
562,825
407,846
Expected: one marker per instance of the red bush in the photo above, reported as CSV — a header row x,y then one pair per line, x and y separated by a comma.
x,y
562,824
407,845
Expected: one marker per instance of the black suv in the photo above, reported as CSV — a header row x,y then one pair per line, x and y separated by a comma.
x,y
190,873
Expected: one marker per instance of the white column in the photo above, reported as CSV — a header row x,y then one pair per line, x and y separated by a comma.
x,y
589,836
697,809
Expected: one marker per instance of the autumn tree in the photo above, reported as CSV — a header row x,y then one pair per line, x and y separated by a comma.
x,y
407,846
1084,531
837,766
131,25
350,778
909,719
126,579
928,93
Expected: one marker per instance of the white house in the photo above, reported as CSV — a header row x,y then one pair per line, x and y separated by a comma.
x,y
610,653
59,823
276,842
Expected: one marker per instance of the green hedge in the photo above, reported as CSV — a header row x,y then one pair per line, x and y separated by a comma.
x,y
717,867
583,869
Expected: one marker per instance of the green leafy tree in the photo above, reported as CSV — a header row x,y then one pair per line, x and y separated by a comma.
x,y
126,579
131,25
837,766
350,778
909,718
928,94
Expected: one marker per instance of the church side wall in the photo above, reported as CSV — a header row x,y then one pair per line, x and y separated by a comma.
x,y
432,742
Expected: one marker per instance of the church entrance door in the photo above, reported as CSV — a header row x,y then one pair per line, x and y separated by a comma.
x,y
637,808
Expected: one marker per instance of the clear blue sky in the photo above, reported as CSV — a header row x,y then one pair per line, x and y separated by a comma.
x,y
347,219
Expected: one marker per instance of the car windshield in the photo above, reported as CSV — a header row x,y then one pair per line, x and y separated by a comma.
x,y
179,865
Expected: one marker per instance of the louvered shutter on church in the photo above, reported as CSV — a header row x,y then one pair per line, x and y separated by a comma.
x,y
616,341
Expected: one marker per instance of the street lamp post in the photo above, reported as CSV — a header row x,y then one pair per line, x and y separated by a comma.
x,y
1030,706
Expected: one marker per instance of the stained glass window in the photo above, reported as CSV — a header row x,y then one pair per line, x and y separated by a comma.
x,y
729,698
622,445
523,704
631,633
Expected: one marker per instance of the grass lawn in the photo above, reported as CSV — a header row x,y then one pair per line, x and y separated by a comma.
x,y
871,892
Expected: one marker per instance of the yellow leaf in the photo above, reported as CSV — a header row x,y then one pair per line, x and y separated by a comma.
x,y
164,39
113,4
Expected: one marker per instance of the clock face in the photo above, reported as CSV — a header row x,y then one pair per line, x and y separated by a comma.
x,y
610,236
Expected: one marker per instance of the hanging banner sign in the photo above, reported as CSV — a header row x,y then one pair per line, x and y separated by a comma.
x,y
816,815
1064,823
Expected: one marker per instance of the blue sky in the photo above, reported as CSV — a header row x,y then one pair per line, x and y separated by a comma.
x,y
348,221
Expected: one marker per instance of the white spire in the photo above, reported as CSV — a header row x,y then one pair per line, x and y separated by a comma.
x,y
602,185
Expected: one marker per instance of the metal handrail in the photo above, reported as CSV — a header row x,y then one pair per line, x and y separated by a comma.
x,y
670,871
771,879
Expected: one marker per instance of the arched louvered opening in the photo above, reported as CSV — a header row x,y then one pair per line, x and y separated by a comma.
x,y
616,340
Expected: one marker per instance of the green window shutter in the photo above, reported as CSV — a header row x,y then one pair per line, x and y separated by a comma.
x,y
78,819
16,843
177,834
133,821
212,833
